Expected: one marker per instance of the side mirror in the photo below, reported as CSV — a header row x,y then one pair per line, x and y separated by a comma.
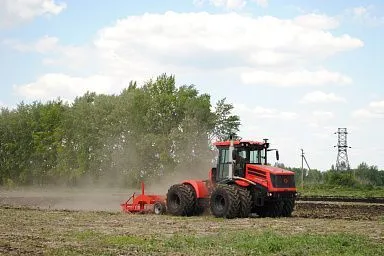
x,y
277,155
235,154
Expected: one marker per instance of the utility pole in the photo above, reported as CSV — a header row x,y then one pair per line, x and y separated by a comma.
x,y
342,162
302,167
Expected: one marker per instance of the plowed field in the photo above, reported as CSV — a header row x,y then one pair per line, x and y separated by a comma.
x,y
64,225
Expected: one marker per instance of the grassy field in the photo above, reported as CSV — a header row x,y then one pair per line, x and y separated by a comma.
x,y
317,190
48,232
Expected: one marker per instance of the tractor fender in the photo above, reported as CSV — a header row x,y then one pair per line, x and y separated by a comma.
x,y
242,183
199,186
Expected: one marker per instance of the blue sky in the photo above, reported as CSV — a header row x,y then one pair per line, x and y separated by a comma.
x,y
294,70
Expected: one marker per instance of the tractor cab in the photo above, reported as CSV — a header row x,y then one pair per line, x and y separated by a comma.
x,y
235,155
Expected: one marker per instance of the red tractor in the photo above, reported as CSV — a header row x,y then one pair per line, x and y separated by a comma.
x,y
241,184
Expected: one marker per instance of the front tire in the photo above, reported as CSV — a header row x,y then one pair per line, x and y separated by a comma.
x,y
288,205
224,202
271,209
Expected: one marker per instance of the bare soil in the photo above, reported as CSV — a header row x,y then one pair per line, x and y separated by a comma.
x,y
27,231
38,223
110,201
338,210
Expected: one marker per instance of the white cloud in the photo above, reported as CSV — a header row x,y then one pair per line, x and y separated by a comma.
x,y
230,4
317,21
45,44
364,113
13,12
323,115
295,78
258,50
360,11
70,56
321,97
264,113
364,14
227,4
319,119
377,106
375,109
51,86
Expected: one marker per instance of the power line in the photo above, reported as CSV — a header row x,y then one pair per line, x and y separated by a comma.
x,y
303,159
342,162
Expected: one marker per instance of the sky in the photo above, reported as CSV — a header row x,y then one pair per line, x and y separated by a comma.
x,y
294,70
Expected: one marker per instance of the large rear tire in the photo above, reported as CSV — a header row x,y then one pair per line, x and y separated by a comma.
x,y
180,200
224,202
245,199
288,205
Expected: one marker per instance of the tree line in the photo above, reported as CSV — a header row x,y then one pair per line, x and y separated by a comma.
x,y
140,134
143,133
363,176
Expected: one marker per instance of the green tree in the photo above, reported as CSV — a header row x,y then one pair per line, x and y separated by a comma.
x,y
140,134
369,175
224,122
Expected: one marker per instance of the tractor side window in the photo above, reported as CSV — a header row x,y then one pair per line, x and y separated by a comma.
x,y
257,156
224,156
254,157
243,154
241,161
224,164
262,153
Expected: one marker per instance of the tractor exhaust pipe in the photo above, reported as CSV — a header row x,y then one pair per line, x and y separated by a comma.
x,y
231,148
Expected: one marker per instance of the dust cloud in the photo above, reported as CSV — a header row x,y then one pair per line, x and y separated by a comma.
x,y
182,172
65,199
116,184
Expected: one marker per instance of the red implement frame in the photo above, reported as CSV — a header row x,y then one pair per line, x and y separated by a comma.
x,y
142,203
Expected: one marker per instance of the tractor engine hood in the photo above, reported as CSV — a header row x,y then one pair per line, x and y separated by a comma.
x,y
270,169
274,178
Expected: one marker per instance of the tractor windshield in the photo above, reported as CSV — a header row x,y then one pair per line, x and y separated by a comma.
x,y
256,156
252,156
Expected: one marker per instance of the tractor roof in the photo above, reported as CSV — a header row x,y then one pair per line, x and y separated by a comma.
x,y
227,143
